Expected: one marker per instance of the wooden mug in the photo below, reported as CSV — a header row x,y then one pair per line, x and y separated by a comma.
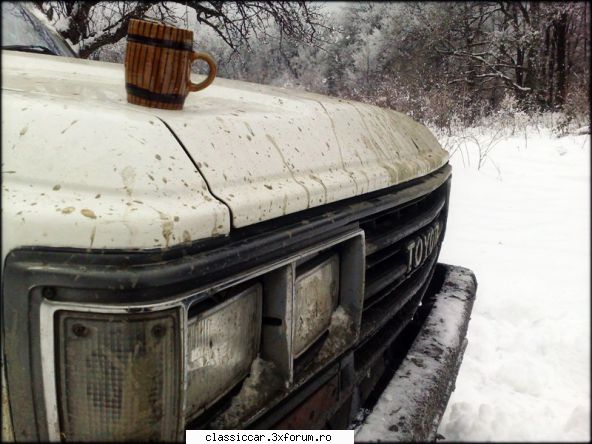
x,y
158,62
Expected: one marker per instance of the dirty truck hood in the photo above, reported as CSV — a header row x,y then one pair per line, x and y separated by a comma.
x,y
82,170
69,134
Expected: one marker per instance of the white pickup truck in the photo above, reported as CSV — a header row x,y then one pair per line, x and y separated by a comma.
x,y
264,258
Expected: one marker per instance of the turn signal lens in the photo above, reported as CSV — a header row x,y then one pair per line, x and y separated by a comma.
x,y
119,376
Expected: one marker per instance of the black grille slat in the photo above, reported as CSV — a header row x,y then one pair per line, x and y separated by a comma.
x,y
391,264
378,241
382,293
379,256
385,278
371,350
377,296
376,316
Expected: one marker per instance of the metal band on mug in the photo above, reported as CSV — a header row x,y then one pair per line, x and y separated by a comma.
x,y
171,44
149,95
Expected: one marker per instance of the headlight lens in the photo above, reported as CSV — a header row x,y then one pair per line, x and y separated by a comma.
x,y
222,344
317,293
119,376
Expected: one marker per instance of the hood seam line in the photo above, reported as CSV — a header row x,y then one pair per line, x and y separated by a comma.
x,y
199,171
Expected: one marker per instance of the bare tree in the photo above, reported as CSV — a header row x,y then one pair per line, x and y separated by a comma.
x,y
90,25
528,47
463,60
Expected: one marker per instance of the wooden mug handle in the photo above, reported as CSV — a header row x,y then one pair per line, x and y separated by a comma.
x,y
211,76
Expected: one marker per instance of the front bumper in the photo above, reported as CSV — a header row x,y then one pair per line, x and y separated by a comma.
x,y
415,399
412,376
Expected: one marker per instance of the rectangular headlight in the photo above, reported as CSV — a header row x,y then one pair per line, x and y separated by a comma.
x,y
222,344
119,376
316,296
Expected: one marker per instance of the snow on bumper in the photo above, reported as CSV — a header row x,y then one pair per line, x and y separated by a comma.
x,y
412,405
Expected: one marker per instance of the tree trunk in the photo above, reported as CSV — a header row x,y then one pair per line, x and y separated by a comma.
x,y
560,26
551,69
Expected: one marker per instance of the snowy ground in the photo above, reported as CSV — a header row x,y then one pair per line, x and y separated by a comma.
x,y
522,223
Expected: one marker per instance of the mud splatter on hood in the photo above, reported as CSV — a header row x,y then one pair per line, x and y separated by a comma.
x,y
88,174
263,152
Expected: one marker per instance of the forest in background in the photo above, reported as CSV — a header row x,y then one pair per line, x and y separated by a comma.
x,y
443,63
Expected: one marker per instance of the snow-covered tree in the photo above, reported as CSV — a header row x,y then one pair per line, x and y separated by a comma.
x,y
436,61
90,25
